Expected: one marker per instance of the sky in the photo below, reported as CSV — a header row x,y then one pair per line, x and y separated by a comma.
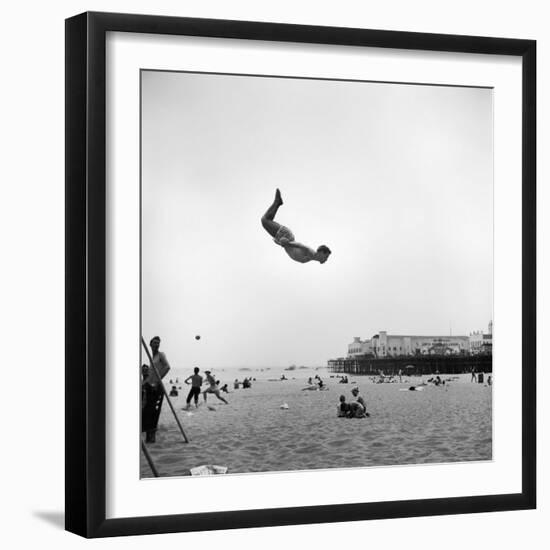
x,y
396,179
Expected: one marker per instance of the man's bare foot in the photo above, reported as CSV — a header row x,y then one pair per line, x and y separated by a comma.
x,y
278,198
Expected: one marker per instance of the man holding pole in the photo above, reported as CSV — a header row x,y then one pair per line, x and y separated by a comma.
x,y
153,392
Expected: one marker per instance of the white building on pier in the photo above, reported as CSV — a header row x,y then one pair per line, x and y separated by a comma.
x,y
480,342
392,345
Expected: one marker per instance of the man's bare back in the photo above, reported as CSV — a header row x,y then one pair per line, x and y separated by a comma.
x,y
284,237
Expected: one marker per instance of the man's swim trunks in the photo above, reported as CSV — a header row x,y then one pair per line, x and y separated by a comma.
x,y
284,232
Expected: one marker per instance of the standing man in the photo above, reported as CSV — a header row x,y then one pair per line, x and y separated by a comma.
x,y
212,388
152,392
195,391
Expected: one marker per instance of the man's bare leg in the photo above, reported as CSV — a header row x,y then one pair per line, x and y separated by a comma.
x,y
221,398
268,218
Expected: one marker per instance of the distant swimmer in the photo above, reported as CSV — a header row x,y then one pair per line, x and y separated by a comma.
x,y
213,388
195,391
284,237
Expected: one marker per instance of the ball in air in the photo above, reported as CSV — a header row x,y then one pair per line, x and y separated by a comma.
x,y
197,337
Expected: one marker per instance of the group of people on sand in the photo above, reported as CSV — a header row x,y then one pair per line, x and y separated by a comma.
x,y
152,393
354,409
246,383
436,381
196,381
316,381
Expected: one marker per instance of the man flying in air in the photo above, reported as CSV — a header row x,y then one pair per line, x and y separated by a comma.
x,y
284,237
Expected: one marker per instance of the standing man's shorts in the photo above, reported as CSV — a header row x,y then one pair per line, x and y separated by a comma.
x,y
195,391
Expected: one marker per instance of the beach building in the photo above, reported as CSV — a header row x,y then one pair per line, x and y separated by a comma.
x,y
482,343
360,347
395,345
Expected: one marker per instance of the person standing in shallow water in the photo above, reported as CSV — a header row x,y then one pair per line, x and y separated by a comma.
x,y
152,392
284,237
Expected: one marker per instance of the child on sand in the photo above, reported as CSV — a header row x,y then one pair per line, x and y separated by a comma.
x,y
284,237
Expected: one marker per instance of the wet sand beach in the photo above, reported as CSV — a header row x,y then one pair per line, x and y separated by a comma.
x,y
450,423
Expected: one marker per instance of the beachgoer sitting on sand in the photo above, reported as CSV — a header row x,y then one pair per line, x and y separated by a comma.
x,y
195,391
359,408
174,392
355,409
213,388
236,384
284,237
224,388
343,408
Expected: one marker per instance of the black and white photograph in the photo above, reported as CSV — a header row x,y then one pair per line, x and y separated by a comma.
x,y
316,274
274,274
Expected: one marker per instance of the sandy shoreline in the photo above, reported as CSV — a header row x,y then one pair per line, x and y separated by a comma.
x,y
253,434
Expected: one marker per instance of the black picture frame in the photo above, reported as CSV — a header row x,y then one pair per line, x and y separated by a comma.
x,y
86,273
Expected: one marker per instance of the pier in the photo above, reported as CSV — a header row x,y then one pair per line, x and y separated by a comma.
x,y
416,364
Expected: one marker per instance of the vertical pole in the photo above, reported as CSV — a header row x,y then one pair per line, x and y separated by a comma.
x,y
149,459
